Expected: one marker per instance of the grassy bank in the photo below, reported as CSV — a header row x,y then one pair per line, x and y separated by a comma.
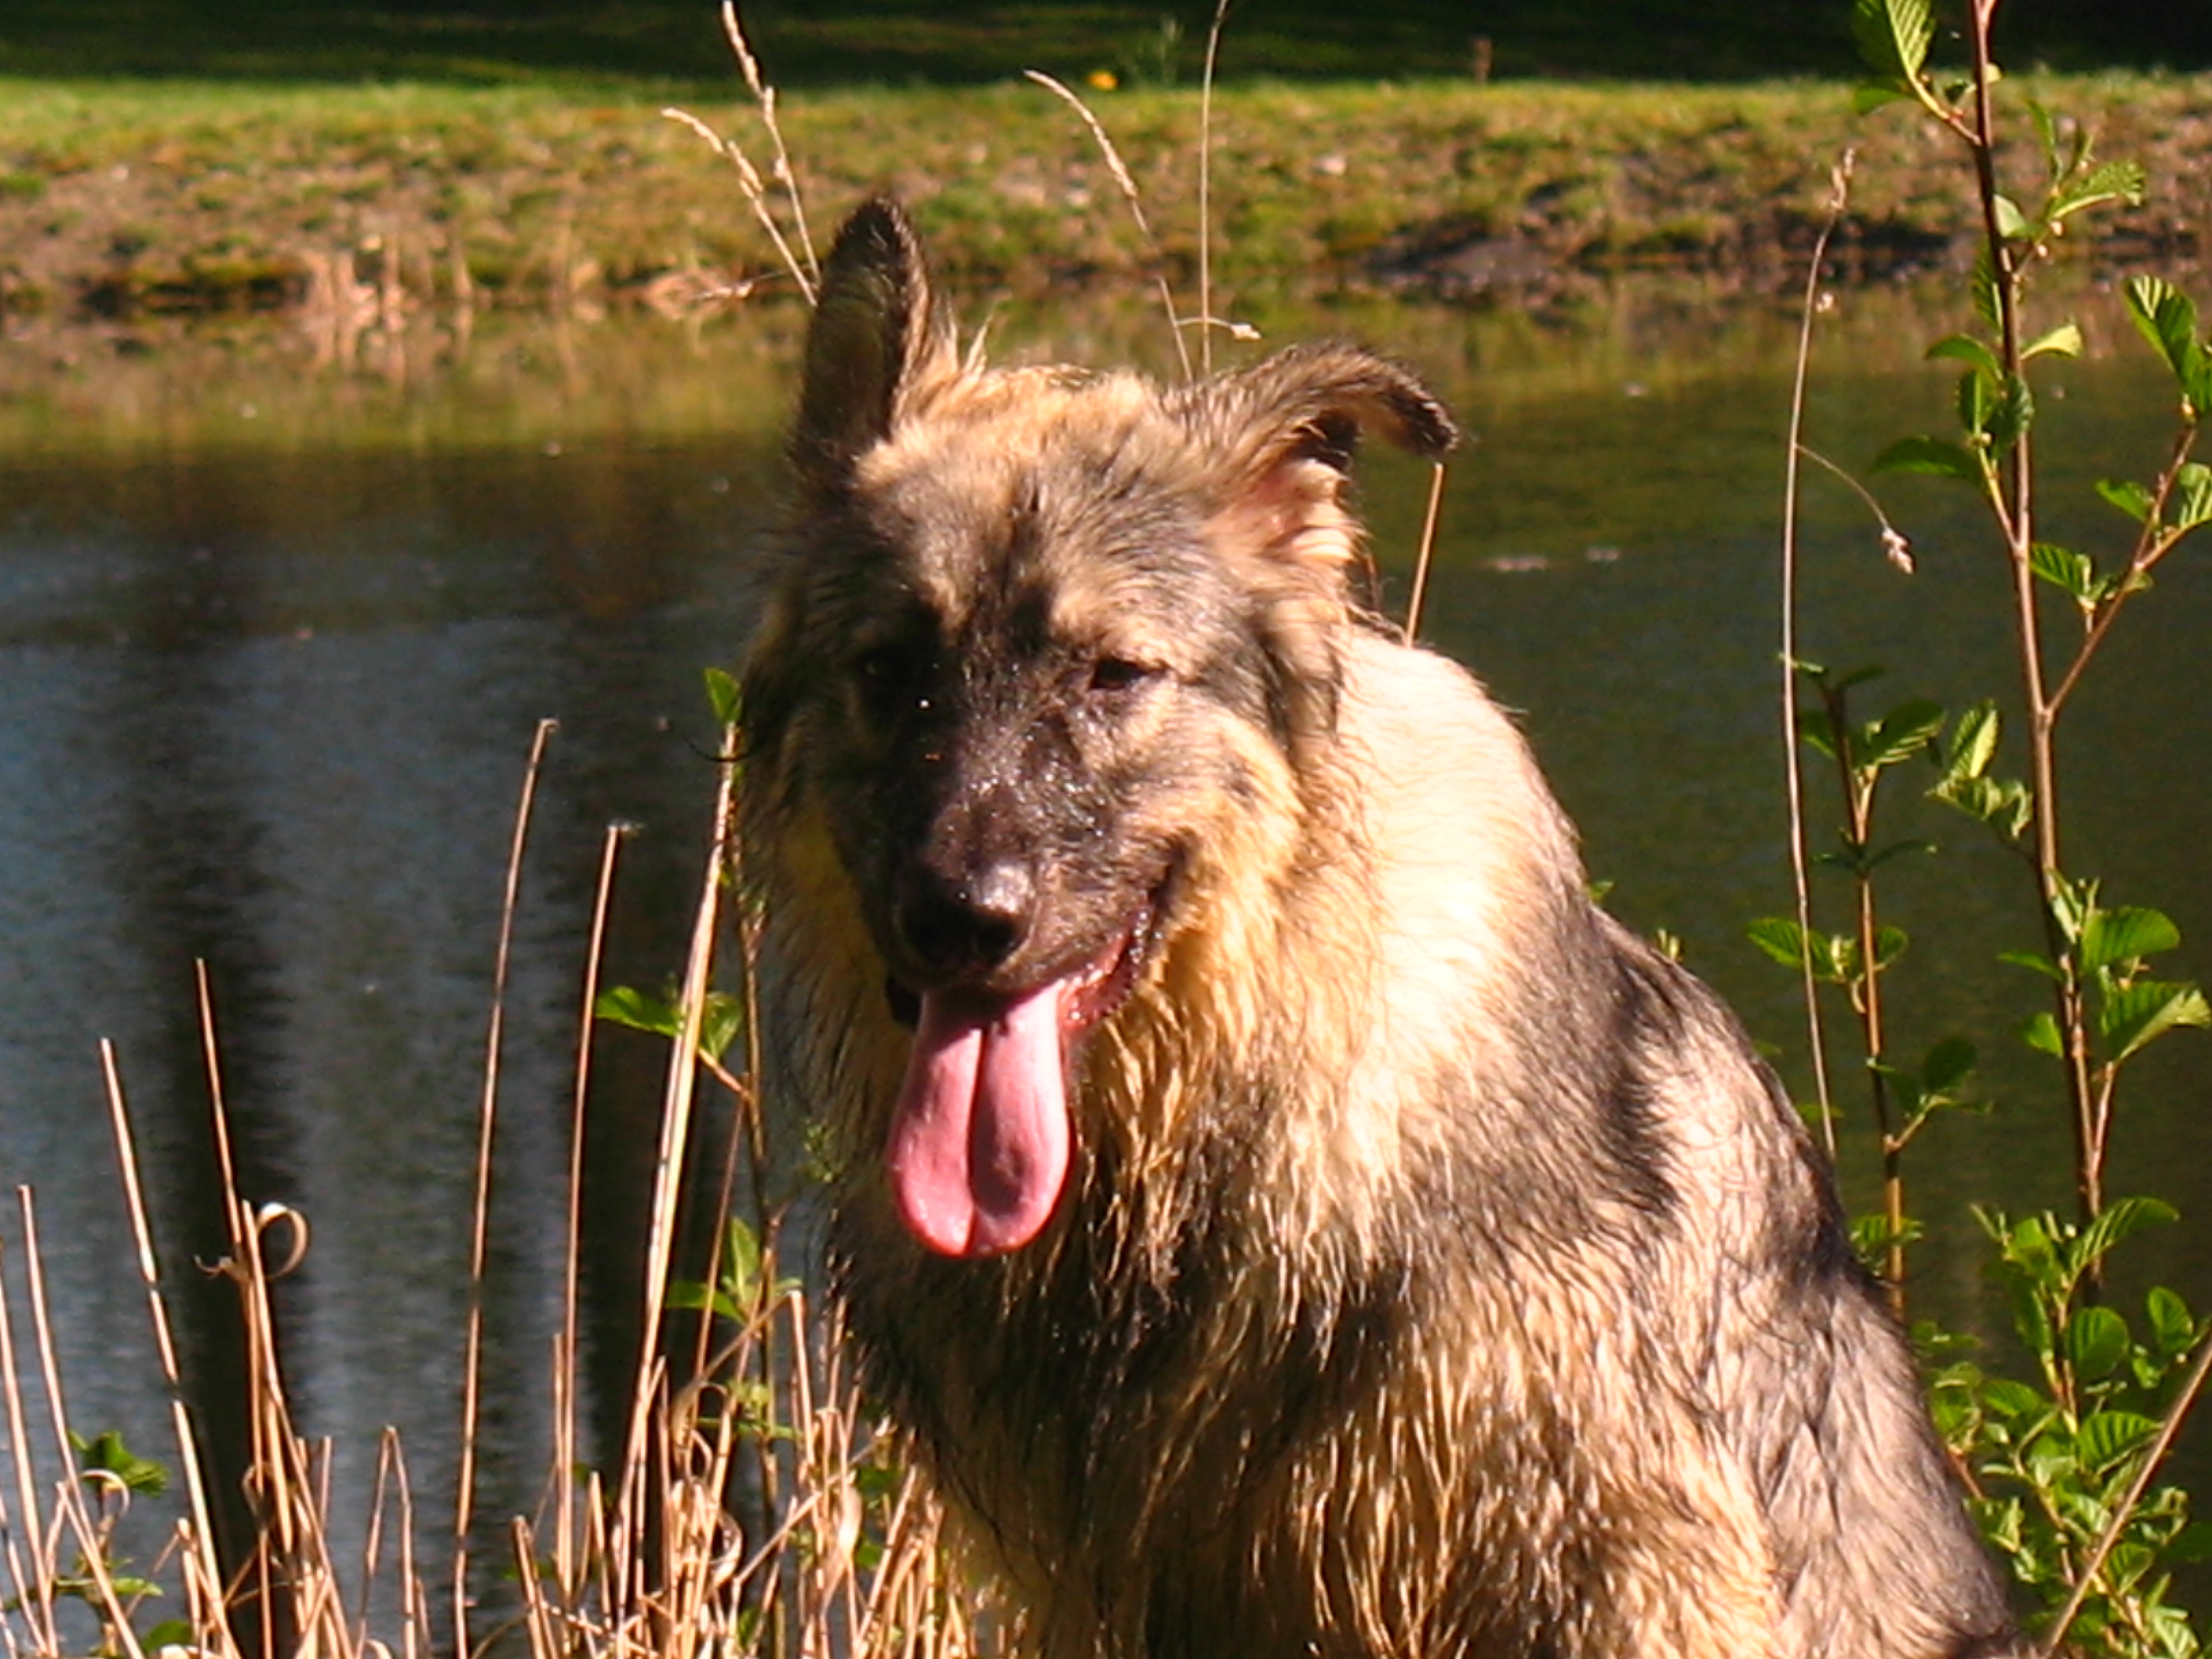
x,y
122,196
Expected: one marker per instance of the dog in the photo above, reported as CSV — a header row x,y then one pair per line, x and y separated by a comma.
x,y
1283,1213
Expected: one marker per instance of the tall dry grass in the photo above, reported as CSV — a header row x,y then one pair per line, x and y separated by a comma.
x,y
756,1507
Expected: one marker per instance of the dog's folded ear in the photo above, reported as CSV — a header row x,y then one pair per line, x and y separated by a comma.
x,y
876,335
1313,401
1280,437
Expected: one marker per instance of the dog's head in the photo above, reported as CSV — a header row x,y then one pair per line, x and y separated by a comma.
x,y
1041,644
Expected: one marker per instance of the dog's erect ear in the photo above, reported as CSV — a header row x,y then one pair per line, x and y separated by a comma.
x,y
875,334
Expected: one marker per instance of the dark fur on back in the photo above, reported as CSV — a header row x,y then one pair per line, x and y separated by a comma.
x,y
1436,1270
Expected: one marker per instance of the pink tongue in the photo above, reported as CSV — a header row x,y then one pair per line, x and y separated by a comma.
x,y
978,1142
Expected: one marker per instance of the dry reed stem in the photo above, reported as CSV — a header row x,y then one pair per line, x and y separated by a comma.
x,y
800,261
675,1118
34,1581
1430,519
198,1538
1130,194
566,1355
69,1492
293,1576
1205,188
764,95
480,1233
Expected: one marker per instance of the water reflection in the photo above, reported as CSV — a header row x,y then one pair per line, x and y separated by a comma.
x,y
271,678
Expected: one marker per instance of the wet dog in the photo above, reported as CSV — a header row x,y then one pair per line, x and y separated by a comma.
x,y
1287,1216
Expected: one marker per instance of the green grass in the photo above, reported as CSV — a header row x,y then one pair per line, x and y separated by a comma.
x,y
188,194
818,42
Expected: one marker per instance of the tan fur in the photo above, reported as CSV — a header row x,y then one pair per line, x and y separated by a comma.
x,y
1440,1273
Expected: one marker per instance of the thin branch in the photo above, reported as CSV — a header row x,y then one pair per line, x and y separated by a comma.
x,y
2152,1459
2150,547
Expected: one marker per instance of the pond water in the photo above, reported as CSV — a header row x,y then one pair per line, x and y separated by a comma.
x,y
279,614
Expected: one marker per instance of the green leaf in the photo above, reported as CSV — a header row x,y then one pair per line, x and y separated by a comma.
x,y
723,1024
106,1455
2192,500
690,1296
2173,1328
1893,37
2040,1031
1973,741
1948,1065
2011,221
741,1259
2034,962
2096,1341
2004,806
724,695
2113,181
2072,903
2047,133
2117,1222
2131,497
2013,414
1872,1237
2064,568
1965,349
1816,730
2168,318
1869,97
1983,290
1934,457
2112,1436
2132,1016
1874,860
1977,397
2063,341
2126,934
624,1004
1905,732
1781,939
2013,1399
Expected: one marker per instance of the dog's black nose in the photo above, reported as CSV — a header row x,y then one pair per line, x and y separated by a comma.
x,y
967,927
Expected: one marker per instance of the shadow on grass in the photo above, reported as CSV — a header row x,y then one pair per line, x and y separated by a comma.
x,y
898,41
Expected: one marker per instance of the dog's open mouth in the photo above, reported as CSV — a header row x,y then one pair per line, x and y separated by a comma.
x,y
981,1136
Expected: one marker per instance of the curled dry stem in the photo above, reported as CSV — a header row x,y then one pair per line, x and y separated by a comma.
x,y
1793,770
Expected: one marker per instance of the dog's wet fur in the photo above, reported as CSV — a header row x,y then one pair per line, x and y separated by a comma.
x,y
1286,1217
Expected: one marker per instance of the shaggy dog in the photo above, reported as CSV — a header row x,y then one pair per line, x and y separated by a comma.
x,y
1287,1216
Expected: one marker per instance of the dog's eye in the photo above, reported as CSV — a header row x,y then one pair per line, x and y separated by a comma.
x,y
1117,674
886,675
